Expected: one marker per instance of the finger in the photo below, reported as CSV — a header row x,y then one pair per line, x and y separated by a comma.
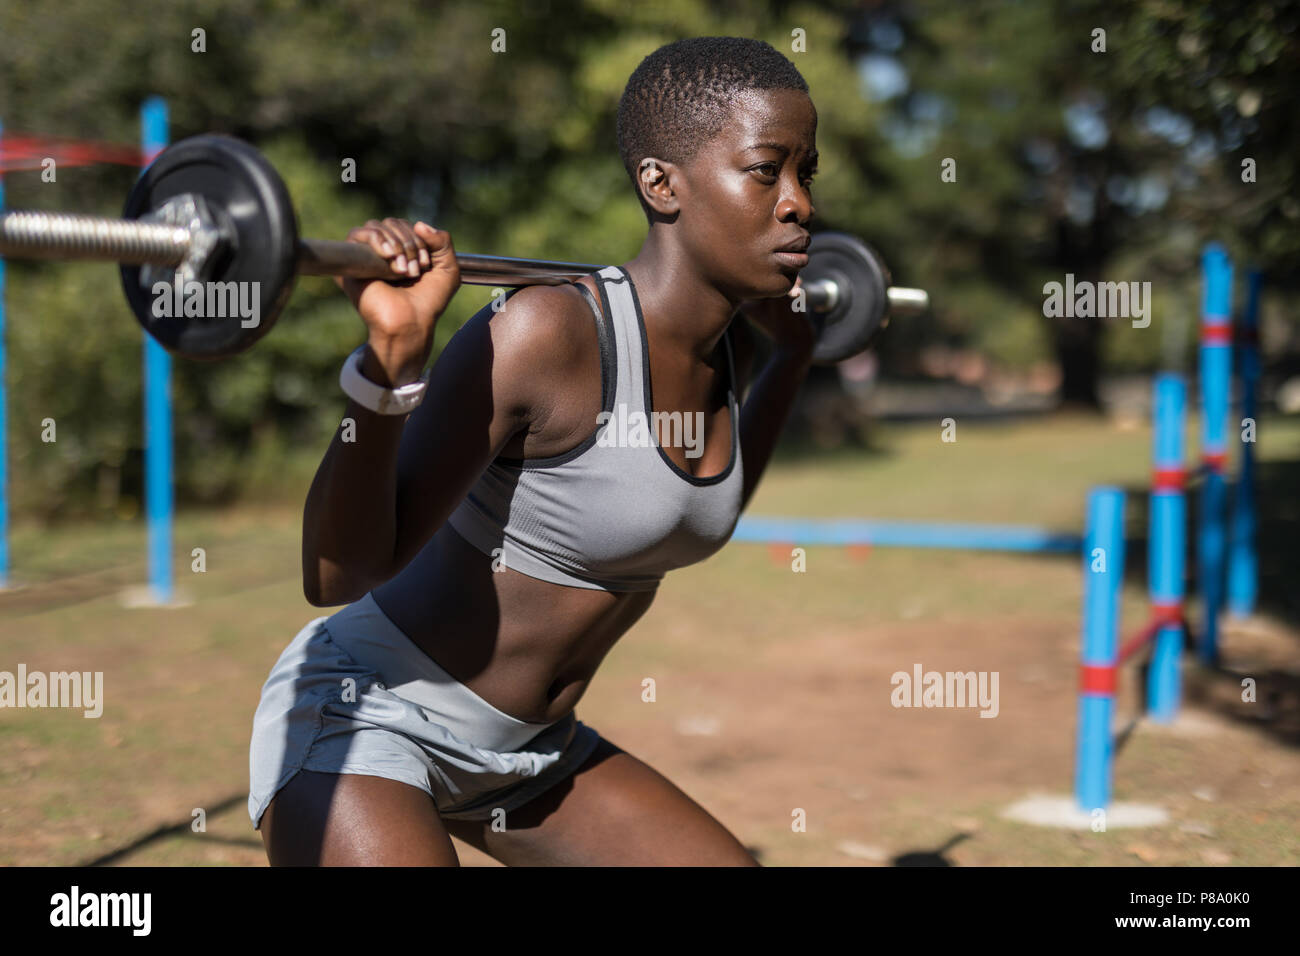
x,y
365,235
381,242
372,228
405,236
424,233
436,287
438,243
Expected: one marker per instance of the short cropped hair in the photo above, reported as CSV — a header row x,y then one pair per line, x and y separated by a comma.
x,y
680,96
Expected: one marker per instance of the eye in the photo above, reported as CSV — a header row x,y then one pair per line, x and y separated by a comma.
x,y
772,170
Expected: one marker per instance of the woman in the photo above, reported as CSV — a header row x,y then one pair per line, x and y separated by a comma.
x,y
496,542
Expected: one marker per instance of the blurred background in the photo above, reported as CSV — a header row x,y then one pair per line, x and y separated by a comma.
x,y
1114,165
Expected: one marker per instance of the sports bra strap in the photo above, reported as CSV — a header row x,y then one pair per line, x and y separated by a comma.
x,y
602,334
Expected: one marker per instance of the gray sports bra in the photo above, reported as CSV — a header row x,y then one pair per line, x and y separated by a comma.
x,y
614,513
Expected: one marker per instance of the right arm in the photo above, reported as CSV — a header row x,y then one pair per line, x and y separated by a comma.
x,y
376,500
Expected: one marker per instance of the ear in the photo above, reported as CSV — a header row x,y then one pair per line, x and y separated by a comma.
x,y
655,179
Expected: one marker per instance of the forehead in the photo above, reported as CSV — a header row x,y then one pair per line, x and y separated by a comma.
x,y
767,116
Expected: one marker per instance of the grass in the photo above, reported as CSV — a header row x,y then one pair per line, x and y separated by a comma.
x,y
794,667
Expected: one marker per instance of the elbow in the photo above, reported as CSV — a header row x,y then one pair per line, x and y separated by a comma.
x,y
314,592
323,589
332,597
315,597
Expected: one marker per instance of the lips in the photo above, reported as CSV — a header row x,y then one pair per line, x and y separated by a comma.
x,y
794,254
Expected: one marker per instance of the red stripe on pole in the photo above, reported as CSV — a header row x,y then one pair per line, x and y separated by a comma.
x,y
1214,460
1167,613
1101,681
1216,334
1168,479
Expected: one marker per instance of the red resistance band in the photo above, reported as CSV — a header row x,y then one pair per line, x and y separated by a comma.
x,y
29,152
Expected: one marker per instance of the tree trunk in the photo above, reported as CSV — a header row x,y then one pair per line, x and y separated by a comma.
x,y
1078,351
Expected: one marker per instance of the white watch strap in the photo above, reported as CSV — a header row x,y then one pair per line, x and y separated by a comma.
x,y
382,401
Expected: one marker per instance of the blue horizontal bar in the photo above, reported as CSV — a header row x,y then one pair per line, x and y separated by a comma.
x,y
906,534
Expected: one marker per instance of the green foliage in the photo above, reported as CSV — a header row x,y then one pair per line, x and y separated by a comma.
x,y
74,360
515,153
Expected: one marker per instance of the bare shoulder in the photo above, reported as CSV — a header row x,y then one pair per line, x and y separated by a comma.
x,y
544,339
550,328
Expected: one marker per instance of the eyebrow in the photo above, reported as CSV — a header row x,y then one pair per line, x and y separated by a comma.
x,y
781,147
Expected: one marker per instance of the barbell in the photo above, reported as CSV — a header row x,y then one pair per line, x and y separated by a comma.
x,y
212,210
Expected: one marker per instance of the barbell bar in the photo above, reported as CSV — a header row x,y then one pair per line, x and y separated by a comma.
x,y
212,209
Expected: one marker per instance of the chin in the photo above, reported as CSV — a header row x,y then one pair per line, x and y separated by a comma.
x,y
788,278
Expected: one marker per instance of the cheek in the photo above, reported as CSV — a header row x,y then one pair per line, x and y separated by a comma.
x,y
733,202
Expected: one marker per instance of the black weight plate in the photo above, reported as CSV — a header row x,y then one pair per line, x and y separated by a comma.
x,y
249,201
863,301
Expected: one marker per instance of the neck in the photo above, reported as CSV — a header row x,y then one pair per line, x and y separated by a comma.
x,y
681,307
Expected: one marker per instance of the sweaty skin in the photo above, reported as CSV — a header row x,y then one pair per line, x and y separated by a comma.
x,y
526,382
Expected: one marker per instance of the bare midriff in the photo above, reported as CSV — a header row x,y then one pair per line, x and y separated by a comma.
x,y
528,647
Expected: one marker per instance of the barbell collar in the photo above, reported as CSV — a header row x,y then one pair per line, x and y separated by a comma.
x,y
823,294
905,301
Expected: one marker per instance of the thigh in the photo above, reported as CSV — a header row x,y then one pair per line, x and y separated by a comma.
x,y
613,811
348,819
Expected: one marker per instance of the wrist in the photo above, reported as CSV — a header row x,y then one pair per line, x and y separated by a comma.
x,y
386,372
375,396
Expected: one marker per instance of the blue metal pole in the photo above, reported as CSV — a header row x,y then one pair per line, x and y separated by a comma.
x,y
1216,377
4,430
157,412
1103,574
1243,569
1167,546
906,534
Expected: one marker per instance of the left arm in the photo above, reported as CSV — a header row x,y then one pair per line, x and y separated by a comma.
x,y
767,406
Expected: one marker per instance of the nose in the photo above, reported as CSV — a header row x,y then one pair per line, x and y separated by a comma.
x,y
795,205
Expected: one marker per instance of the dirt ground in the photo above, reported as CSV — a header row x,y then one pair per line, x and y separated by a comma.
x,y
773,688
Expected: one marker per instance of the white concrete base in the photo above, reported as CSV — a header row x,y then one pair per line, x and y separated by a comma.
x,y
862,851
143,595
1056,811
1188,723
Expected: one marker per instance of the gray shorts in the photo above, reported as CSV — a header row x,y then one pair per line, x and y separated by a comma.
x,y
352,694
